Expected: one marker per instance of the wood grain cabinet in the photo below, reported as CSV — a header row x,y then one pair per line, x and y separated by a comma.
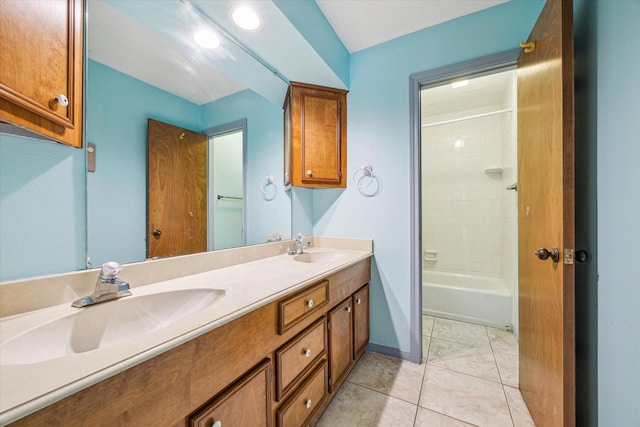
x,y
294,359
360,321
245,403
315,129
225,377
302,408
41,67
340,342
348,335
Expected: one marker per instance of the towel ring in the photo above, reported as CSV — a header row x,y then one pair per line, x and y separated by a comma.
x,y
366,171
365,174
268,188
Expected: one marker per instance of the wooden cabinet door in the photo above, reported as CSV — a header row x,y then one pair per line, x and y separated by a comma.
x,y
360,321
318,124
340,342
245,403
41,59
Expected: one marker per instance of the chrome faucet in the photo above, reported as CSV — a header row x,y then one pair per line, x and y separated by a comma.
x,y
108,286
299,245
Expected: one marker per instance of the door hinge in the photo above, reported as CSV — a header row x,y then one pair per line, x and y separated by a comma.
x,y
329,382
329,325
568,256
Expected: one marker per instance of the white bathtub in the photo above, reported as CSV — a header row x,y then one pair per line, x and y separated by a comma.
x,y
474,299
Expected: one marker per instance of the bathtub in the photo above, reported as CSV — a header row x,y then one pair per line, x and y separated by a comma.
x,y
475,299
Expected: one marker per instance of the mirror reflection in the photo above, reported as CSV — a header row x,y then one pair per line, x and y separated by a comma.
x,y
143,63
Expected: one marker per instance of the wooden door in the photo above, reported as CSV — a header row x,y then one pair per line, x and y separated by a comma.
x,y
177,191
360,321
340,343
546,218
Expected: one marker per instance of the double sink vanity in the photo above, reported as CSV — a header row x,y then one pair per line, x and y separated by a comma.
x,y
247,336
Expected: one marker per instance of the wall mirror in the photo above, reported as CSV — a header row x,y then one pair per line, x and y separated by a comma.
x,y
143,62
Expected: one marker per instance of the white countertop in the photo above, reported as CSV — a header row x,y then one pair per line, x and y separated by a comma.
x,y
28,387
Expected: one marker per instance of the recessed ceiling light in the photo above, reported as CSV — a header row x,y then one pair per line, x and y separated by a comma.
x,y
246,18
206,38
460,83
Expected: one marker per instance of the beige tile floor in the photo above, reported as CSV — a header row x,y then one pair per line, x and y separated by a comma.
x,y
469,377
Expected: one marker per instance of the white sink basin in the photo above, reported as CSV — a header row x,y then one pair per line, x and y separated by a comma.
x,y
105,324
320,257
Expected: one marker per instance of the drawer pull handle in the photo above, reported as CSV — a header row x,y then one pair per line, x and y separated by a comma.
x,y
310,303
308,403
217,424
307,352
358,301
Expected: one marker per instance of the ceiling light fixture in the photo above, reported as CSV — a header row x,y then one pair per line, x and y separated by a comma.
x,y
461,83
246,18
206,38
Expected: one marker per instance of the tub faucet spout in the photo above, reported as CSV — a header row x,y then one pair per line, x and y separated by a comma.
x,y
108,286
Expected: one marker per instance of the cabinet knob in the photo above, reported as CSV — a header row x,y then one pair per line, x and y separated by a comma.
x,y
309,172
310,303
62,100
308,403
358,301
217,424
307,352
349,309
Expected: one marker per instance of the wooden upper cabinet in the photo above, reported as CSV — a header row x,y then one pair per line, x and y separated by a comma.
x,y
41,67
316,129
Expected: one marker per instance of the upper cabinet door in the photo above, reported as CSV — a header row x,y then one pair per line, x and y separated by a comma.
x,y
41,67
318,135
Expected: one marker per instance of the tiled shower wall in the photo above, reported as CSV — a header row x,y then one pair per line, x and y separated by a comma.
x,y
461,203
468,216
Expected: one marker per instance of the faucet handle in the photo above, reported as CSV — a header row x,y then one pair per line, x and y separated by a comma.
x,y
299,237
110,270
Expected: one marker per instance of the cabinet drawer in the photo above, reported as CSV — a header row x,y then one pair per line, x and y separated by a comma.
x,y
247,402
302,405
296,357
294,309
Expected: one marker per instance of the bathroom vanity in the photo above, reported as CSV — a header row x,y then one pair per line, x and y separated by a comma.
x,y
271,348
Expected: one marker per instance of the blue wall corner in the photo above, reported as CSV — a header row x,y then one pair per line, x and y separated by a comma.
x,y
309,20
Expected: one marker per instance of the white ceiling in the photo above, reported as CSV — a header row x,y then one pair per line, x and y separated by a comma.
x,y
150,41
364,23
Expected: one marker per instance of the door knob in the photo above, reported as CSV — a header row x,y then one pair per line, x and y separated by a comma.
x,y
543,254
157,232
582,255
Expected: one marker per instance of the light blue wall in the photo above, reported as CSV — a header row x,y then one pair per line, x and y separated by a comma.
x,y
42,208
118,107
309,20
264,155
618,44
378,134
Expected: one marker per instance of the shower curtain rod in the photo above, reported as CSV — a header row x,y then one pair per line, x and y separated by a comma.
x,y
475,116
